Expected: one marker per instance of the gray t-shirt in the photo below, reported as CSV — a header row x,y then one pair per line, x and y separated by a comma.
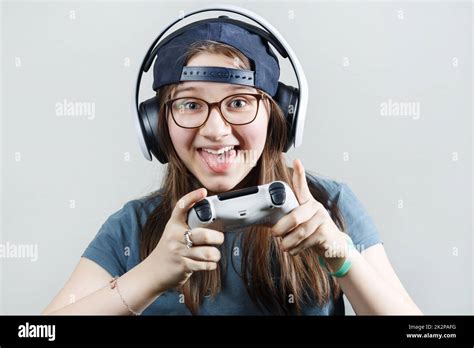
x,y
116,249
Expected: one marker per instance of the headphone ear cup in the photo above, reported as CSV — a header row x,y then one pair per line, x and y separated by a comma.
x,y
148,112
287,98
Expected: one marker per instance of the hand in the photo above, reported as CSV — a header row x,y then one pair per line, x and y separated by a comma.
x,y
174,261
308,225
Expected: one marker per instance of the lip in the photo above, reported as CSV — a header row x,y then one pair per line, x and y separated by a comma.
x,y
216,147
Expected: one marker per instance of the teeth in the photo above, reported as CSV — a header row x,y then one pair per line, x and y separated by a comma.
x,y
220,151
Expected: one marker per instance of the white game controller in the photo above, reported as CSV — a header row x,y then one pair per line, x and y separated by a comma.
x,y
257,205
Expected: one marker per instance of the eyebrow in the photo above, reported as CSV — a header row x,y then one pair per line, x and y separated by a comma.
x,y
193,88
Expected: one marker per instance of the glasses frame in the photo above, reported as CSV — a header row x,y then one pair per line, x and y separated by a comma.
x,y
210,106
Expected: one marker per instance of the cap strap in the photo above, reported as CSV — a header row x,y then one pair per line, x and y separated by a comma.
x,y
218,74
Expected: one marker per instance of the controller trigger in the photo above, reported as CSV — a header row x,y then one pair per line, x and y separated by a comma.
x,y
203,210
277,193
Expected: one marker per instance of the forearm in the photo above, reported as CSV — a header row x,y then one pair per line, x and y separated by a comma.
x,y
134,286
369,293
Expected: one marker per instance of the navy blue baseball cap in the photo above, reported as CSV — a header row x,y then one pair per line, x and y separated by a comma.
x,y
171,54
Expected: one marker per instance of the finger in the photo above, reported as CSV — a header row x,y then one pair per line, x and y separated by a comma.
x,y
302,232
316,240
297,216
206,236
302,192
182,207
313,240
194,265
202,253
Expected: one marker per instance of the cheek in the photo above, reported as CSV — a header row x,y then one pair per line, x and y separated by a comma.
x,y
255,133
181,139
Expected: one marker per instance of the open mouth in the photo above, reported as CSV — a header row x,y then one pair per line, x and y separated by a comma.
x,y
219,160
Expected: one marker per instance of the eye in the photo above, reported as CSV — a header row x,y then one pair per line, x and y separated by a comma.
x,y
190,105
187,105
238,103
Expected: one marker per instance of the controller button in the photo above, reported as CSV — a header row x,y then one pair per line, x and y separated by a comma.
x,y
277,193
278,198
203,210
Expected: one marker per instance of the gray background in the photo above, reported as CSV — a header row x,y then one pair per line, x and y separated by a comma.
x,y
404,56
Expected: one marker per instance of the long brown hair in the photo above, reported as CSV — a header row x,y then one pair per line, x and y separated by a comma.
x,y
274,279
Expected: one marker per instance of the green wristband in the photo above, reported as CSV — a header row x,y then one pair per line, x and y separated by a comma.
x,y
346,266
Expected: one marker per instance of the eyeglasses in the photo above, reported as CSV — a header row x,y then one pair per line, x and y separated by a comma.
x,y
236,109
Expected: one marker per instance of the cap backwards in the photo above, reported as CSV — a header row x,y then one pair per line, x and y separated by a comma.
x,y
169,64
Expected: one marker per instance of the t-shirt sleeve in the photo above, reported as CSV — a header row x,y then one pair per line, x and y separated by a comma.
x,y
359,225
107,249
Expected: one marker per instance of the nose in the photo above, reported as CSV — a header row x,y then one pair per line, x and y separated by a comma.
x,y
216,126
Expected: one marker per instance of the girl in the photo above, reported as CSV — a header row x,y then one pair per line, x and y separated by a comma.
x,y
260,270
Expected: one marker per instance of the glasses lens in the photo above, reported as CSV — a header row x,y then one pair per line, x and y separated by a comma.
x,y
189,112
240,108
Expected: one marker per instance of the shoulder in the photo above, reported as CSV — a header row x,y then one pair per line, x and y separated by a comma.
x,y
123,226
116,245
331,188
338,192
135,212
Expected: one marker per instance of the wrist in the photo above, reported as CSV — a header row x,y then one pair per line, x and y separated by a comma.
x,y
334,263
338,254
337,247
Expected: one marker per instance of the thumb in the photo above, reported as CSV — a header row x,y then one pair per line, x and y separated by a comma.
x,y
182,207
302,192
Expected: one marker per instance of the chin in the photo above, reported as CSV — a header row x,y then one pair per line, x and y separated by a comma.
x,y
218,185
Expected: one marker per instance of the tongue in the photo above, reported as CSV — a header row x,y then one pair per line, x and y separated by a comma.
x,y
219,162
